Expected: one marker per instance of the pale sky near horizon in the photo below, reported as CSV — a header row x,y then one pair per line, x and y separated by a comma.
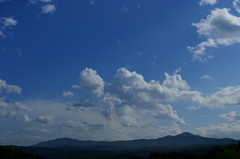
x,y
118,69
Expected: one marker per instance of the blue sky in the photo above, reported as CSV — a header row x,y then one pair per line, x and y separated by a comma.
x,y
118,70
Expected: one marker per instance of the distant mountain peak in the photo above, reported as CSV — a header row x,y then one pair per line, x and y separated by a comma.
x,y
186,134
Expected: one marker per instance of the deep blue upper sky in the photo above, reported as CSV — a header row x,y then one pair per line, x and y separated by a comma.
x,y
111,51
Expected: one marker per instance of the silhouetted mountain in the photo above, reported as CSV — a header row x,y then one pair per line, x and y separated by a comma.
x,y
186,134
183,140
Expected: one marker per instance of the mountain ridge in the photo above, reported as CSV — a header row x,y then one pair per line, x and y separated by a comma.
x,y
182,140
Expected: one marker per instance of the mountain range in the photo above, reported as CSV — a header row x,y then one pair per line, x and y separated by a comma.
x,y
184,140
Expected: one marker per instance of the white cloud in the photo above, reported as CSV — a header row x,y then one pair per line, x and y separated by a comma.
x,y
68,94
231,116
48,8
236,4
8,21
175,81
9,88
221,28
12,110
26,118
5,24
224,129
75,86
207,2
129,107
45,119
129,91
91,82
206,77
228,96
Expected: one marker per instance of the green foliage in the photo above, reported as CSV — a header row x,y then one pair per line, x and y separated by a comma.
x,y
8,152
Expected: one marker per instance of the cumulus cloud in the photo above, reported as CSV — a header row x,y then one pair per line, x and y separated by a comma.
x,y
231,116
9,88
221,28
5,24
129,94
48,8
220,130
91,82
129,91
206,77
207,2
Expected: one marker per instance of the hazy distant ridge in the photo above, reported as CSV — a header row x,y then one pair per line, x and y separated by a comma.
x,y
171,142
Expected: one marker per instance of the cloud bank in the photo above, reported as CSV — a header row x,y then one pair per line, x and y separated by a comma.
x,y
127,107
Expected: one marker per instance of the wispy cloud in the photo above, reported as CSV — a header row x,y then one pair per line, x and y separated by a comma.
x,y
92,2
68,94
236,4
220,130
231,116
206,77
5,24
207,2
48,8
36,1
1,1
